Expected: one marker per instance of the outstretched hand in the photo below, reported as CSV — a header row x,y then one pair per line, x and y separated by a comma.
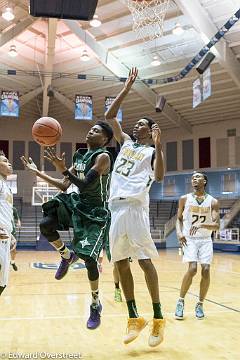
x,y
58,162
29,164
156,134
193,230
133,73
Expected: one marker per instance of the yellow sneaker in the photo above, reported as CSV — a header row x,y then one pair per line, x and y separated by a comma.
x,y
156,335
134,327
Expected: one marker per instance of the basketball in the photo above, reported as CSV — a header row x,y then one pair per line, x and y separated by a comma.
x,y
46,131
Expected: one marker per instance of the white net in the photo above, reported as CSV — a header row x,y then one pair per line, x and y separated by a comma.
x,y
148,17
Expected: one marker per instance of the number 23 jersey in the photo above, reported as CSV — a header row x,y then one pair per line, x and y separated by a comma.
x,y
195,214
132,174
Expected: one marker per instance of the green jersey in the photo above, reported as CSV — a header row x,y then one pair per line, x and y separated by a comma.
x,y
86,211
95,193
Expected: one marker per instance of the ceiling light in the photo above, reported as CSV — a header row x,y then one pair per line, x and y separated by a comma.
x,y
13,51
156,61
8,14
85,56
178,30
95,22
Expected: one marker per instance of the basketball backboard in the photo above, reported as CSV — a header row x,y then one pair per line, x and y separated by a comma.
x,y
42,194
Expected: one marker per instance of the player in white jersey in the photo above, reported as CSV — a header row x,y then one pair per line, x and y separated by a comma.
x,y
6,218
197,218
136,166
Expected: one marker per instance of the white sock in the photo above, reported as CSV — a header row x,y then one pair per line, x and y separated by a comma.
x,y
64,251
95,297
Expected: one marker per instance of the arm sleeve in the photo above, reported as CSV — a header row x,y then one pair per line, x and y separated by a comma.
x,y
81,184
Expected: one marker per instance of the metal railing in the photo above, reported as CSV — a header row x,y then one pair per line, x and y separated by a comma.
x,y
231,234
226,220
170,225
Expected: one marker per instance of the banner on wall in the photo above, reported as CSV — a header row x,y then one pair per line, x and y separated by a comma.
x,y
9,105
83,107
108,102
197,93
207,86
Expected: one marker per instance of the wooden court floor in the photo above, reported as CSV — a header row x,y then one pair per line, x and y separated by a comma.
x,y
40,314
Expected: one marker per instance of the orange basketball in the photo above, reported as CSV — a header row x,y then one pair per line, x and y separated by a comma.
x,y
46,131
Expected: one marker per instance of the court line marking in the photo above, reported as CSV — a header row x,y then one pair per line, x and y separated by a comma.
x,y
27,318
208,300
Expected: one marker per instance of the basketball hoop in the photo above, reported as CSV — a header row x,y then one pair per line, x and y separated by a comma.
x,y
148,17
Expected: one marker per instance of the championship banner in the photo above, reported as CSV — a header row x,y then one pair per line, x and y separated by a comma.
x,y
83,107
9,105
207,86
197,93
108,102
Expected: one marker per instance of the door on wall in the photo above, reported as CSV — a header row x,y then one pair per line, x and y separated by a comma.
x,y
204,152
4,146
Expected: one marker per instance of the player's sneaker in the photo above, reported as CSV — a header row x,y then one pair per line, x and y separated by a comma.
x,y
157,331
199,311
118,295
134,327
179,310
64,265
14,266
95,316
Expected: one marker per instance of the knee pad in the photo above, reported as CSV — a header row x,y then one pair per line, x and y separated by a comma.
x,y
92,268
48,228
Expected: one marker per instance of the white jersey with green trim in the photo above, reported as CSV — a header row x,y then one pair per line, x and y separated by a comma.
x,y
196,213
6,206
132,174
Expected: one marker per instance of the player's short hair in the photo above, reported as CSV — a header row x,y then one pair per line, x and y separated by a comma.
x,y
2,153
203,174
106,129
150,121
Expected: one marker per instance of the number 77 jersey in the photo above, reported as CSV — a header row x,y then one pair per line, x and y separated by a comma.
x,y
195,214
133,173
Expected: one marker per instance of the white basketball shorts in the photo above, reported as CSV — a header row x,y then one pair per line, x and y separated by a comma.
x,y
4,261
198,250
129,234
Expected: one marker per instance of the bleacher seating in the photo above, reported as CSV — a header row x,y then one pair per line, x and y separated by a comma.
x,y
160,212
29,233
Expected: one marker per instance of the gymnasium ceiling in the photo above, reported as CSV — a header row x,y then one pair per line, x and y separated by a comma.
x,y
56,46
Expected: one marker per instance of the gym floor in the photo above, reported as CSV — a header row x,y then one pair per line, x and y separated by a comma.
x,y
40,314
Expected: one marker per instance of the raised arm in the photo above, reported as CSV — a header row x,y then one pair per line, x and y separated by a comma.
x,y
179,224
62,184
159,158
102,166
111,113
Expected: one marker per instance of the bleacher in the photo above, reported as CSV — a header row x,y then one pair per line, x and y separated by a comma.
x,y
29,233
160,212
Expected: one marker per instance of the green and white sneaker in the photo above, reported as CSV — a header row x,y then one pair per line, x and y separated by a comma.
x,y
179,310
199,311
117,295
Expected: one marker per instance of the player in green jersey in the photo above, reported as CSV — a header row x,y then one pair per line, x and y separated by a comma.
x,y
86,210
